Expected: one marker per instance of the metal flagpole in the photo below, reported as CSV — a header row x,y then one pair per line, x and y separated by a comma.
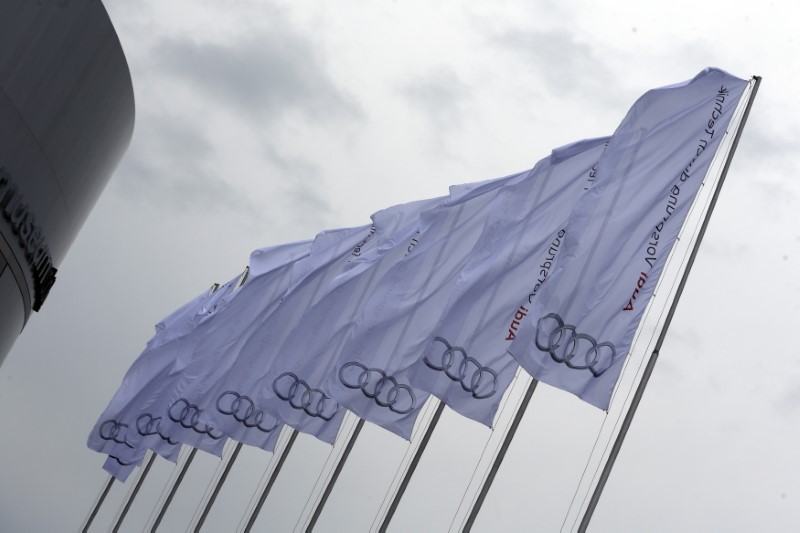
x,y
128,501
226,469
229,460
409,472
598,491
411,467
352,438
494,450
341,446
283,454
345,439
476,507
337,470
103,495
100,499
181,469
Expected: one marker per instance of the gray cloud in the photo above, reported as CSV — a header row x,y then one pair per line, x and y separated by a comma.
x,y
439,96
767,159
760,140
788,403
261,76
170,162
562,63
301,185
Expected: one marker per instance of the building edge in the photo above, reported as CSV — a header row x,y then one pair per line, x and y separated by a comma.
x,y
66,118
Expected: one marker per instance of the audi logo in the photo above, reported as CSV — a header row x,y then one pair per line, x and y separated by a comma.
x,y
147,424
565,344
116,431
373,384
290,388
188,416
456,365
243,409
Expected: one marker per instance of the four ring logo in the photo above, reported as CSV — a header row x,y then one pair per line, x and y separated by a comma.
x,y
564,344
115,431
147,424
483,381
188,415
243,409
301,396
398,398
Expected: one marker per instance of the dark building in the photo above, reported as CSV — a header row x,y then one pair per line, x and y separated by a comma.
x,y
66,118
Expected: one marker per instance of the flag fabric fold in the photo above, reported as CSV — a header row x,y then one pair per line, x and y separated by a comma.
x,y
225,386
619,234
137,417
115,432
292,385
465,362
393,323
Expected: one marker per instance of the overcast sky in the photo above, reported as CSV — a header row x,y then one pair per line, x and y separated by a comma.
x,y
261,122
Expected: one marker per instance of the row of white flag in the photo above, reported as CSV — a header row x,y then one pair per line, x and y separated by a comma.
x,y
549,269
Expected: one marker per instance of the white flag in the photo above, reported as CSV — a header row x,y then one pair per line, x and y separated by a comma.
x,y
465,362
579,331
182,418
223,386
134,419
292,384
115,433
393,324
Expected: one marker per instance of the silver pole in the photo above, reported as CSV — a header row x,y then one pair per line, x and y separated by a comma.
x,y
284,453
173,489
229,460
217,487
598,491
132,494
338,470
512,430
100,499
411,468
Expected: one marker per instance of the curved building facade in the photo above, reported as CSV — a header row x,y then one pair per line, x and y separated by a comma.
x,y
66,119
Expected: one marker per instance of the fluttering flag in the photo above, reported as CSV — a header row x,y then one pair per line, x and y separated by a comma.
x,y
292,385
187,406
396,318
465,362
244,391
224,386
579,330
115,431
137,417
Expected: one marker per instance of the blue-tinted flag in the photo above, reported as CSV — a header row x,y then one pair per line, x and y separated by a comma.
x,y
579,330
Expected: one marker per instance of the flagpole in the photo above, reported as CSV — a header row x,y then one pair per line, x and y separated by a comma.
x,y
283,454
501,454
100,499
598,491
339,466
229,460
411,468
173,489
335,476
128,502
218,486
